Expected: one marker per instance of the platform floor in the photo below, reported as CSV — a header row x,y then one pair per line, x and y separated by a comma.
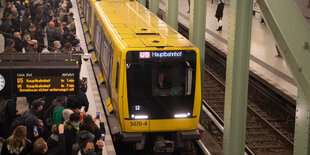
x,y
264,61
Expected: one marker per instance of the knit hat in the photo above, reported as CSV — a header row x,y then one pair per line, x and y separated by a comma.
x,y
52,24
66,114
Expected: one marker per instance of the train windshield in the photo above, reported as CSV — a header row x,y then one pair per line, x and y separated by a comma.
x,y
161,84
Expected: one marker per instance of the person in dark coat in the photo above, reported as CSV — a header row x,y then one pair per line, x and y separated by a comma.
x,y
56,142
31,119
10,112
25,23
6,29
71,129
18,42
88,124
7,9
15,22
219,14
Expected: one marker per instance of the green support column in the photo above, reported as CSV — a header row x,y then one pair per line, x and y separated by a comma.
x,y
172,13
237,76
197,29
302,126
143,2
154,6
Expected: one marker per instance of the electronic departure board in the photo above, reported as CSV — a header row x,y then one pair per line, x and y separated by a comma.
x,y
45,81
28,82
39,74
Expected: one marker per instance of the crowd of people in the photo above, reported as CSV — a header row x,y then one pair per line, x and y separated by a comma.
x,y
27,23
51,125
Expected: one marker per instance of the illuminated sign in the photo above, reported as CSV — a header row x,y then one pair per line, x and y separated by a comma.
x,y
144,55
45,84
158,54
166,54
28,82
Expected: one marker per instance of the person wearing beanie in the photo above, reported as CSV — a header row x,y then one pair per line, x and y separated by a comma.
x,y
66,114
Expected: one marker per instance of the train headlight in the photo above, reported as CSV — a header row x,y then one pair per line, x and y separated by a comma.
x,y
139,116
181,115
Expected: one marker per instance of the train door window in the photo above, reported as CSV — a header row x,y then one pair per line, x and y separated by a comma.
x,y
85,6
111,64
97,38
101,56
106,50
117,77
94,23
89,13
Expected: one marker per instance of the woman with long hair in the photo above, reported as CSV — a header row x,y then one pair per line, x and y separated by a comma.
x,y
17,143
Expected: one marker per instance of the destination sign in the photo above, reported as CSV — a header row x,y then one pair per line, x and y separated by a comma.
x,y
159,54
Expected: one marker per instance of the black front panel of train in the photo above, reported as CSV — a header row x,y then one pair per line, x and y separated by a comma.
x,y
160,84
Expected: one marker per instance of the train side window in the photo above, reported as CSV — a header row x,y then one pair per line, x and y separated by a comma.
x,y
93,26
117,76
89,13
97,38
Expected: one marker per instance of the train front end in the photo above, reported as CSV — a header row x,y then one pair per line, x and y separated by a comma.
x,y
163,97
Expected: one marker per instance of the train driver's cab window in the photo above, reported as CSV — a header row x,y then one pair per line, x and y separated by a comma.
x,y
172,79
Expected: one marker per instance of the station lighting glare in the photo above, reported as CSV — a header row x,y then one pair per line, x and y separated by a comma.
x,y
180,115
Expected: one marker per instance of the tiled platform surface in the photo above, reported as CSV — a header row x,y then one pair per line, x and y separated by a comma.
x,y
264,61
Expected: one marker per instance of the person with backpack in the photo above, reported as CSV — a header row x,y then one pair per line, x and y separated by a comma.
x,y
58,106
7,115
71,129
32,121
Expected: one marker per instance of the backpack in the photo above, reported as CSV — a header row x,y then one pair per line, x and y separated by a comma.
x,y
48,116
3,115
20,120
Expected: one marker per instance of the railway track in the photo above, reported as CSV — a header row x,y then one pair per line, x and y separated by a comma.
x,y
270,116
269,130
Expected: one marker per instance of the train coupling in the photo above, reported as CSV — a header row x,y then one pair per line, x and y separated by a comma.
x,y
162,145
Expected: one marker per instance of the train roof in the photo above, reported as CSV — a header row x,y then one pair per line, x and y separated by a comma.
x,y
138,27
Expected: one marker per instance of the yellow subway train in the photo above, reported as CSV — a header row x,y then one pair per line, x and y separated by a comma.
x,y
152,74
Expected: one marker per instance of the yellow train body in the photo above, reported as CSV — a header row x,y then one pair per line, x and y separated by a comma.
x,y
152,74
128,26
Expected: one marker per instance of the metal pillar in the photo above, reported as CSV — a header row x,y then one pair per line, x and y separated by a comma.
x,y
197,29
302,126
237,76
172,13
292,35
154,6
143,2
